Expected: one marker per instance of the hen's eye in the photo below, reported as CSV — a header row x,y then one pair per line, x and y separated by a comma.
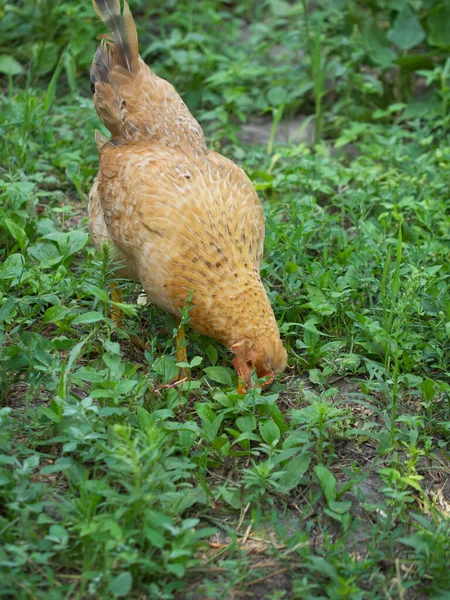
x,y
92,87
249,364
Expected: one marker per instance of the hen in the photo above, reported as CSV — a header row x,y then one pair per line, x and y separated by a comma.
x,y
183,219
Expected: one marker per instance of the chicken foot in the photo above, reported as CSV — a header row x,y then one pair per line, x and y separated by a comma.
x,y
116,296
180,353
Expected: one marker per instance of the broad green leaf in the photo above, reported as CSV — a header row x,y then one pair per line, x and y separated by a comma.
x,y
439,26
212,354
378,47
112,347
165,366
6,308
422,106
296,438
19,193
220,374
77,241
269,432
45,253
247,423
5,459
125,386
45,55
210,421
294,471
13,267
416,61
272,410
340,507
407,31
6,477
247,435
58,533
384,442
427,387
121,584
177,569
327,481
17,233
90,374
71,70
311,334
68,243
97,292
277,96
55,314
189,524
98,486
60,464
413,481
155,537
112,361
205,412
49,413
9,65
223,399
88,317
315,376
196,361
101,393
108,411
231,496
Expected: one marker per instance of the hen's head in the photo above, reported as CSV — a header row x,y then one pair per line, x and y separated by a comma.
x,y
266,355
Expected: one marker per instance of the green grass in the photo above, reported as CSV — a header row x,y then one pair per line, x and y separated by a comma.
x,y
333,483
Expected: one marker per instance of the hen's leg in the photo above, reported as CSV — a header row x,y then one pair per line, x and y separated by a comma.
x,y
180,353
116,296
180,345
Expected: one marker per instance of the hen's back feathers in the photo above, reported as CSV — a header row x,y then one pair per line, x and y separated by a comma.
x,y
196,224
133,103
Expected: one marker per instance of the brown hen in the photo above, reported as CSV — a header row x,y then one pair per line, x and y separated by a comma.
x,y
183,219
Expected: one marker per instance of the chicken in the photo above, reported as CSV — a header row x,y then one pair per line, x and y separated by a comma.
x,y
182,218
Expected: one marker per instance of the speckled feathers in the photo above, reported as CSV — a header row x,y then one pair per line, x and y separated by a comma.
x,y
182,218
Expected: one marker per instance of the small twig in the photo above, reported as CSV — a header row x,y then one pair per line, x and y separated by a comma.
x,y
217,545
171,385
266,565
401,591
244,512
247,533
208,570
267,542
294,548
260,579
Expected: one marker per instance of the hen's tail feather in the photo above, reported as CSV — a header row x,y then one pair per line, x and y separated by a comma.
x,y
123,34
102,64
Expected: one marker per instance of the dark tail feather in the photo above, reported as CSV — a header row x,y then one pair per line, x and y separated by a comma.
x,y
123,33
